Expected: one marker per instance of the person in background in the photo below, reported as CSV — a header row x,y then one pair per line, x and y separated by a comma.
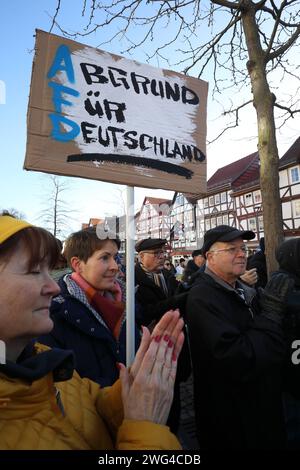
x,y
237,348
180,269
168,274
153,297
288,257
152,291
89,312
45,405
61,268
193,265
258,262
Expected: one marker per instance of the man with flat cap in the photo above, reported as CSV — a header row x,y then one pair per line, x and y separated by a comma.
x,y
153,299
152,293
237,348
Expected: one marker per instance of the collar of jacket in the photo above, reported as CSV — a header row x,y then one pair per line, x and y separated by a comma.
x,y
248,291
142,278
72,300
37,361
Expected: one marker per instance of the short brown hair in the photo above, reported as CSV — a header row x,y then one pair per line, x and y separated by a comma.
x,y
40,245
84,243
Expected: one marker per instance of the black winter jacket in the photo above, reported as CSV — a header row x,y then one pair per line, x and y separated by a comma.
x,y
237,356
152,302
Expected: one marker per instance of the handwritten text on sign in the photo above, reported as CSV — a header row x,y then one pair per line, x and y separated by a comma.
x,y
116,110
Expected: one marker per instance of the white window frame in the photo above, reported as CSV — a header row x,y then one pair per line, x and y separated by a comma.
x,y
248,197
252,226
292,171
296,208
257,195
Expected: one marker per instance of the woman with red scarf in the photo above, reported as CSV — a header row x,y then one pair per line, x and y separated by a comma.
x,y
89,312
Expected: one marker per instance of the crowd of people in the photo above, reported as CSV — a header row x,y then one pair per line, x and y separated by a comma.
x,y
218,317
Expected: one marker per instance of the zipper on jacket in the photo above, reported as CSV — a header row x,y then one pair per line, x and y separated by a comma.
x,y
59,402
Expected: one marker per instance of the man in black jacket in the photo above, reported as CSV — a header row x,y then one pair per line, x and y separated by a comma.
x,y
237,349
153,295
153,299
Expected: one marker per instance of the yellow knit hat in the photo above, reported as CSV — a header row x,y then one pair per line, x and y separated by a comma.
x,y
9,226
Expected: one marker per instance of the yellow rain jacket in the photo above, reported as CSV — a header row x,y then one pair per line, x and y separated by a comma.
x,y
71,414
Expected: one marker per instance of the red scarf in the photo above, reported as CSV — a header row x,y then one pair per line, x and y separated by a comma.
x,y
111,310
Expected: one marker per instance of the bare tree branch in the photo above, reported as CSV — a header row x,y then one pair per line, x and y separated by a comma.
x,y
55,15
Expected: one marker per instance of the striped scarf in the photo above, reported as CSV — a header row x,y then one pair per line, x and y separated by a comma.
x,y
110,309
158,279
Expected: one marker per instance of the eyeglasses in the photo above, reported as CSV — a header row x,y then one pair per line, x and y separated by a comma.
x,y
167,264
157,254
233,250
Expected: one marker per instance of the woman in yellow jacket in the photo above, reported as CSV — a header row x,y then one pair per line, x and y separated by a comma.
x,y
44,404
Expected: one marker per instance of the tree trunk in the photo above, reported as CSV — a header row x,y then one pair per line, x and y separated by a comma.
x,y
263,101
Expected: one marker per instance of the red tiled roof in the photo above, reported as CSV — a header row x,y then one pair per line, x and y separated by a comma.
x,y
226,175
250,176
229,173
292,155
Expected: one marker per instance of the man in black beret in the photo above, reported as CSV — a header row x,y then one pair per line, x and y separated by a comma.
x,y
237,349
153,299
152,293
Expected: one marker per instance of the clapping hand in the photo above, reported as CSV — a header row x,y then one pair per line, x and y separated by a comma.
x,y
147,389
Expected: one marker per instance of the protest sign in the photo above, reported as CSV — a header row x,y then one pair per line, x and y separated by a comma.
x,y
97,115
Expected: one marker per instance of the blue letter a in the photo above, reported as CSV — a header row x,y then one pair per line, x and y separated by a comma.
x,y
62,61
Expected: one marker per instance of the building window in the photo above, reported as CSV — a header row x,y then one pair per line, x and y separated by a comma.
x,y
211,201
257,197
213,222
294,172
219,220
217,198
248,199
207,224
206,202
223,197
225,219
296,205
260,223
252,225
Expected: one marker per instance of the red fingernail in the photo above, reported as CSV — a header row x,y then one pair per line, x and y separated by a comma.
x,y
170,344
166,338
118,365
157,338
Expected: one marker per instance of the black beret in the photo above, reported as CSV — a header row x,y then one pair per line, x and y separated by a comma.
x,y
150,244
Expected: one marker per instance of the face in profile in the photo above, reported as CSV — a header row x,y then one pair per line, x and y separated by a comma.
x,y
25,297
